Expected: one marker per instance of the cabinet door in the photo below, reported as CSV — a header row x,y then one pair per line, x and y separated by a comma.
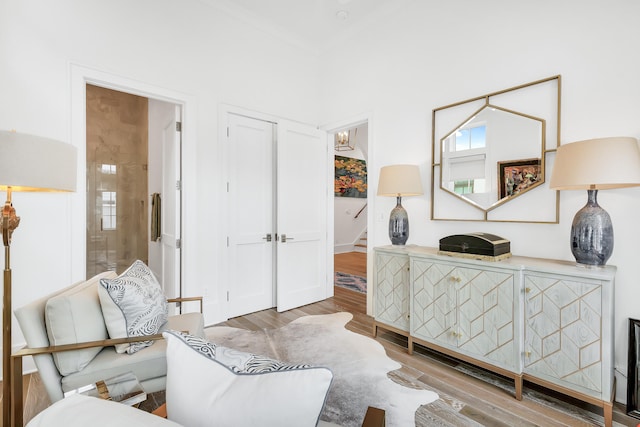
x,y
486,315
391,292
466,309
433,314
563,338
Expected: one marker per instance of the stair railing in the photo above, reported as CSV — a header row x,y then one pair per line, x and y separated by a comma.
x,y
360,211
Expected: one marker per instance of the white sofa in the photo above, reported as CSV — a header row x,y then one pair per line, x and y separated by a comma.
x,y
81,352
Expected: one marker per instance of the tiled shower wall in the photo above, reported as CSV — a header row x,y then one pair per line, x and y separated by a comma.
x,y
117,194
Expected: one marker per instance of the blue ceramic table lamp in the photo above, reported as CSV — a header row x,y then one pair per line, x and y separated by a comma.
x,y
398,181
592,165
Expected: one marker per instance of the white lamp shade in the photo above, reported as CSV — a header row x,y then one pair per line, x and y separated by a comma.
x,y
33,163
597,164
400,180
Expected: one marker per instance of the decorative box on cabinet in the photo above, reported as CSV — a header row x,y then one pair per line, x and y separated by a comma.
x,y
544,321
391,291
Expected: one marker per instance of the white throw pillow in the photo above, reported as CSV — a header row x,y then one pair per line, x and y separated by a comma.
x,y
208,383
133,305
75,316
80,411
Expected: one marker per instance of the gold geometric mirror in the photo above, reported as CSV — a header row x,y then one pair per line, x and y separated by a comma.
x,y
490,155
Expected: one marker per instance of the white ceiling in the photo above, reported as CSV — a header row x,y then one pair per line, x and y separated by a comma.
x,y
315,24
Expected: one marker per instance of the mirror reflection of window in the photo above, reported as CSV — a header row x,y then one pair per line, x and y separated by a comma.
x,y
463,187
469,186
471,138
467,174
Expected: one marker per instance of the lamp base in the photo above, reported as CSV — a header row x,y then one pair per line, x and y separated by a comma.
x,y
398,224
592,233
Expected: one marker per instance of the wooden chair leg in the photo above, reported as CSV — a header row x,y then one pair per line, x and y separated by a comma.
x,y
161,411
375,417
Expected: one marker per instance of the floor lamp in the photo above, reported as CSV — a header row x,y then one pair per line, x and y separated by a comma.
x,y
27,163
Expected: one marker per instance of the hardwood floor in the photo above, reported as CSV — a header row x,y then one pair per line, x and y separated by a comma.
x,y
468,396
351,263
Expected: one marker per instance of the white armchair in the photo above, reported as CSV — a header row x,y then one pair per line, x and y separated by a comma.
x,y
89,355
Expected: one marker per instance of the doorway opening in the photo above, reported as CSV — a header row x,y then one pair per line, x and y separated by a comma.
x,y
350,214
132,164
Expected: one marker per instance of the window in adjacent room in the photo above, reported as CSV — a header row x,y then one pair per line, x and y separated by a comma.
x,y
108,210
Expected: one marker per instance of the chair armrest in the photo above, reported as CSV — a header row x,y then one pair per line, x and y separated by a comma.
x,y
82,345
16,363
375,417
187,299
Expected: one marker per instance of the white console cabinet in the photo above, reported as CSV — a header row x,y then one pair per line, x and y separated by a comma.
x,y
544,321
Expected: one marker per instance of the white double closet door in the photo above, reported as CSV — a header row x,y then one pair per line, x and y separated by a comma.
x,y
277,193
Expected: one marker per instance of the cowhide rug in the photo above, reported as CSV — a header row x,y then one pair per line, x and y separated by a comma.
x,y
359,365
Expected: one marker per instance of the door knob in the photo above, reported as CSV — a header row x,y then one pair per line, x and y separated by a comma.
x,y
267,237
284,238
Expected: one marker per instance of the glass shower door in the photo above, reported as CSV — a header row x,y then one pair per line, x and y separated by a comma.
x,y
117,209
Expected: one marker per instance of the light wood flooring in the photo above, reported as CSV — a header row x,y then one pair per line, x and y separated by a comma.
x,y
464,399
468,396
351,263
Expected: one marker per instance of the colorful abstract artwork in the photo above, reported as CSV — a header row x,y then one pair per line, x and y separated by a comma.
x,y
350,177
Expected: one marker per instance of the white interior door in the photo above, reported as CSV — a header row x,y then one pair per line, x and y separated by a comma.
x,y
302,215
251,238
170,206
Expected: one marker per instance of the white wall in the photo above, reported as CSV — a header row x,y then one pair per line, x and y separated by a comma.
x,y
183,46
435,53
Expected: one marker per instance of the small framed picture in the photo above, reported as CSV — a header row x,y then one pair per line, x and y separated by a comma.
x,y
517,176
633,381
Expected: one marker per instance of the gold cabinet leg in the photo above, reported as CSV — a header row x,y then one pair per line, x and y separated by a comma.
x,y
607,408
518,385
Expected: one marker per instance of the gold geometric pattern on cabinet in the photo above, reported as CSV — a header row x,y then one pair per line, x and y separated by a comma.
x,y
392,290
465,308
563,329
